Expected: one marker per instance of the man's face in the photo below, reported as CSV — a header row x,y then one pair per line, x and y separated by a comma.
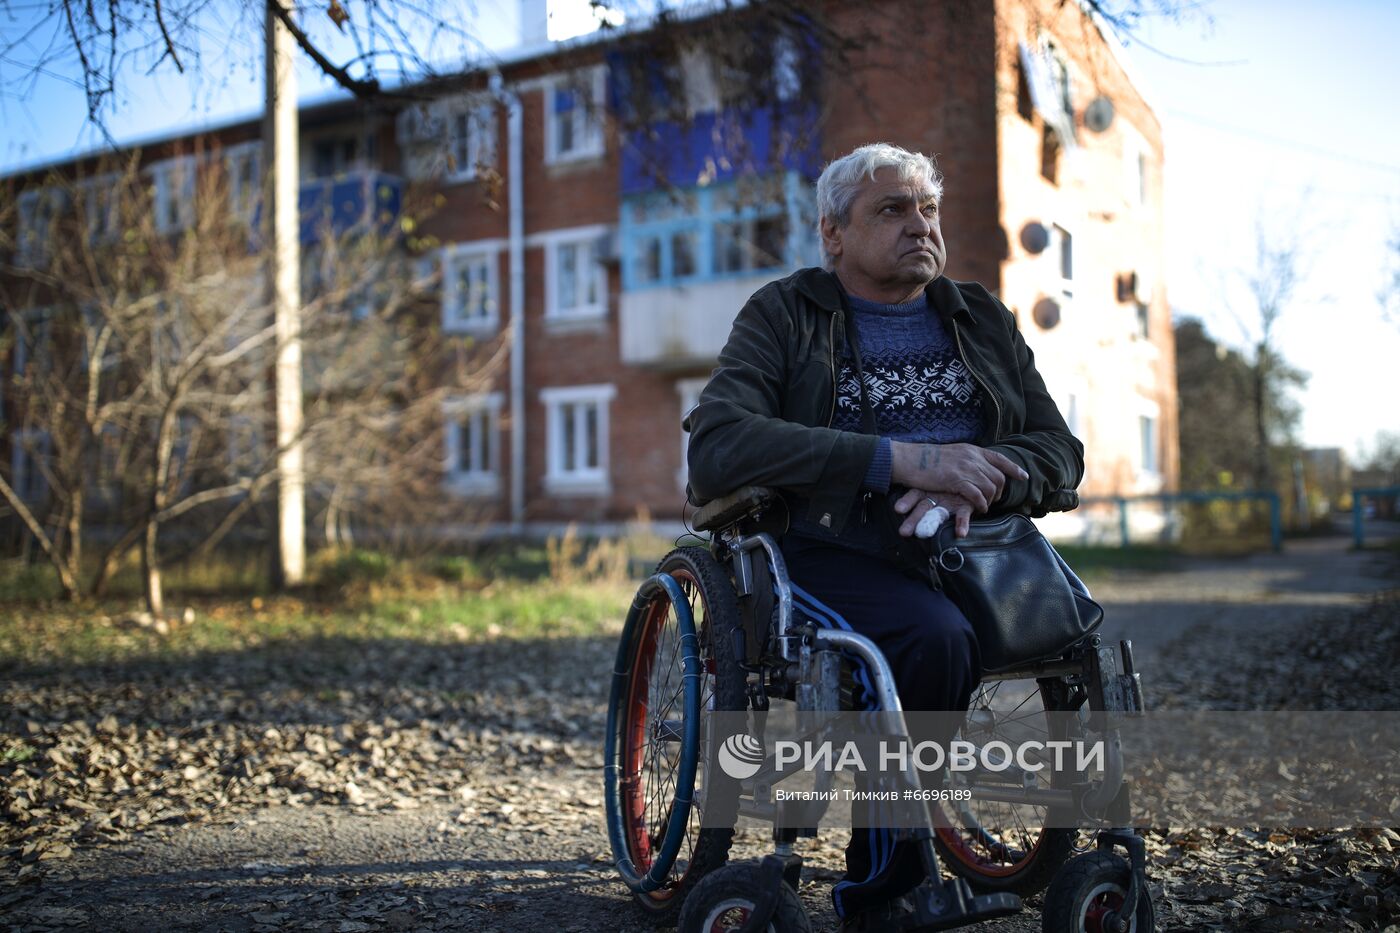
x,y
892,247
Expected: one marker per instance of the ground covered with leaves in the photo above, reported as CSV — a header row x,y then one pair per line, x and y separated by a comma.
x,y
394,761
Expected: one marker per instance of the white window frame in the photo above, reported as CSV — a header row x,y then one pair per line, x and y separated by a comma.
x,y
242,201
1134,168
587,118
587,238
37,208
1148,410
1064,286
485,477
577,481
173,193
480,253
480,145
689,392
102,207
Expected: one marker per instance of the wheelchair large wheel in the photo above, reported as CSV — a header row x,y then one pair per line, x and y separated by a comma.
x,y
675,665
1000,846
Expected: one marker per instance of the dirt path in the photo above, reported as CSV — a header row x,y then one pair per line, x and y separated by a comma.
x,y
460,789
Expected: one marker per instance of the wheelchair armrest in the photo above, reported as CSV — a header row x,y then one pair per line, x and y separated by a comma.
x,y
726,510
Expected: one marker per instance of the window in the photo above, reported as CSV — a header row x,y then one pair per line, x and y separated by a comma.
x,y
38,208
714,232
1072,417
32,342
1050,149
471,140
577,447
173,193
1148,428
29,450
787,68
340,154
689,392
453,138
102,207
750,244
1061,253
574,117
470,290
575,281
243,171
473,449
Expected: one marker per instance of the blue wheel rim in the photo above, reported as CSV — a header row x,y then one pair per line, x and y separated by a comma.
x,y
654,877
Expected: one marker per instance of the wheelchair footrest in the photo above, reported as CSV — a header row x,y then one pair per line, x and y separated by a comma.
x,y
956,906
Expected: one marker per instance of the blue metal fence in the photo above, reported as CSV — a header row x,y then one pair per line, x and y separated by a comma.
x,y
1166,500
1358,497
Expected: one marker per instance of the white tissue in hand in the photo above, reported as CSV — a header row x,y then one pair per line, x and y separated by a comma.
x,y
928,525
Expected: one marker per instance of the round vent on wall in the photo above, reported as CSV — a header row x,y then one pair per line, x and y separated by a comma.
x,y
1098,116
1046,313
1035,237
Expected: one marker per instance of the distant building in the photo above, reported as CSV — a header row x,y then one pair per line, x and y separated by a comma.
x,y
641,238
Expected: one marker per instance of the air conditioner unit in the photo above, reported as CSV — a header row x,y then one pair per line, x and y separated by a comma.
x,y
607,249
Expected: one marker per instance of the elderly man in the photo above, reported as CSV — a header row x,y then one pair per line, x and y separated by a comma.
x,y
947,410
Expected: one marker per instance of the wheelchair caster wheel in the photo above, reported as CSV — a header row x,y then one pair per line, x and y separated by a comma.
x,y
725,900
1087,897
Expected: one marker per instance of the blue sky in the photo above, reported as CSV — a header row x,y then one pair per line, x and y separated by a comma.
x,y
1300,132
1292,124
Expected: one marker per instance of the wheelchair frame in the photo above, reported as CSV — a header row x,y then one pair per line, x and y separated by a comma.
x,y
802,663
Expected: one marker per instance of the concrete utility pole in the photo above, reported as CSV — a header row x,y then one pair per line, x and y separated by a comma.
x,y
282,229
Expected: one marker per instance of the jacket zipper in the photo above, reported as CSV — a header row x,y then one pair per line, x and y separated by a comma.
x,y
831,416
831,344
986,389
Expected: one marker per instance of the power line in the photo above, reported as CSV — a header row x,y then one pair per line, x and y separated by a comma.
x,y
1285,142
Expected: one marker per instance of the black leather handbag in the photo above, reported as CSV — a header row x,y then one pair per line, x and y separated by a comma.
x,y
1023,600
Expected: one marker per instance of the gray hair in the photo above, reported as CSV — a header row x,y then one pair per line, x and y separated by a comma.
x,y
842,178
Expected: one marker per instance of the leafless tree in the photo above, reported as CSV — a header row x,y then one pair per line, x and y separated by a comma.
x,y
146,375
1272,285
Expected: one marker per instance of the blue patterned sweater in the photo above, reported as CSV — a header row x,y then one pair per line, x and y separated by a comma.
x,y
919,388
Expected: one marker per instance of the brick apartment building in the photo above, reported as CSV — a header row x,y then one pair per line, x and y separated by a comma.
x,y
619,248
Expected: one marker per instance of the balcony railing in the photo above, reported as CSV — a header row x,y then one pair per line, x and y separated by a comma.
x,y
350,204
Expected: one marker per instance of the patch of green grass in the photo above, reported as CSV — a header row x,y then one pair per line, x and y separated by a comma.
x,y
62,634
16,753
29,583
1098,561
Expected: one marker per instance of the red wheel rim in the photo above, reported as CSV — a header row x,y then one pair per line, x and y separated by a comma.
x,y
1099,909
962,848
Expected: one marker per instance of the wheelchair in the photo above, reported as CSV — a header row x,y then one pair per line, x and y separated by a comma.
x,y
713,631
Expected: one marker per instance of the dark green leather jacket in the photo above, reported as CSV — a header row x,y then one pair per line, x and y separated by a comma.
x,y
763,419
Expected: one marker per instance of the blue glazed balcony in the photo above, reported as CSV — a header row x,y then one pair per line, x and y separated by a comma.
x,y
349,204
